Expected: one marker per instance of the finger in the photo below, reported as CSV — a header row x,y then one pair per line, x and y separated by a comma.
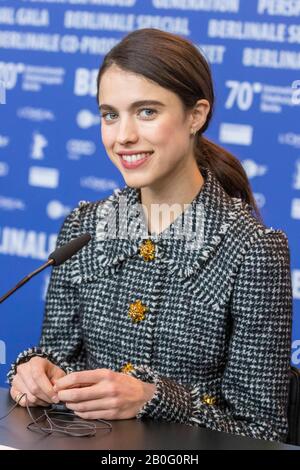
x,y
93,405
18,387
55,373
102,414
85,378
82,393
28,399
47,392
16,396
32,386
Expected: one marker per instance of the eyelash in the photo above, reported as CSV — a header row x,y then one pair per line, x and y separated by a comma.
x,y
140,110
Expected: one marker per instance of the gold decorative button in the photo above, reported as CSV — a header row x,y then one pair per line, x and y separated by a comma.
x,y
137,311
147,250
208,400
127,368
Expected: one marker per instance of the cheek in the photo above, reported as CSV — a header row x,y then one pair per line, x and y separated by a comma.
x,y
169,132
107,136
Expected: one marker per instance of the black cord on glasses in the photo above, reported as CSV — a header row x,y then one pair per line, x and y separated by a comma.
x,y
75,428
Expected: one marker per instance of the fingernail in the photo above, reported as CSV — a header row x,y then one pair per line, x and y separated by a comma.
x,y
55,399
55,388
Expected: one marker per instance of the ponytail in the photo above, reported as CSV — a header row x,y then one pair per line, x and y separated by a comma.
x,y
227,169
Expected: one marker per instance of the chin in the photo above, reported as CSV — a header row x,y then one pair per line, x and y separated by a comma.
x,y
137,182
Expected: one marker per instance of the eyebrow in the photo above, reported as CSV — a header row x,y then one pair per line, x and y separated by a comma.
x,y
134,105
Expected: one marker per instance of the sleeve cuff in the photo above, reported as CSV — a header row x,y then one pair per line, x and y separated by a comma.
x,y
26,355
171,401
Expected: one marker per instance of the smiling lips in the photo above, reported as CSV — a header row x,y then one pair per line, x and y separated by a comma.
x,y
131,159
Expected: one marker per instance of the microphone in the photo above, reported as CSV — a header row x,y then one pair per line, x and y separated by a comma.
x,y
62,254
57,257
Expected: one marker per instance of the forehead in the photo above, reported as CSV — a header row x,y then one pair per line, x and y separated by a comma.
x,y
119,86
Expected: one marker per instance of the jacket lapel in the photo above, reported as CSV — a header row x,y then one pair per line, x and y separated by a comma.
x,y
184,246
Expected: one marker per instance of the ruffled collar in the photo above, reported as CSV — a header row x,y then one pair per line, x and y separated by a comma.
x,y
121,229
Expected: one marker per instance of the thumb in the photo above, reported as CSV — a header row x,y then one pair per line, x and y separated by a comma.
x,y
55,374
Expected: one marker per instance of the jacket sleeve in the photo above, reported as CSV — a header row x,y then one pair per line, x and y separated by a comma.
x,y
61,339
255,381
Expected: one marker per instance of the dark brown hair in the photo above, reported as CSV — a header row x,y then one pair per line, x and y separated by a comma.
x,y
177,65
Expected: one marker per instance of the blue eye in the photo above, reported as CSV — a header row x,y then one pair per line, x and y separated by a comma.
x,y
152,111
111,116
104,116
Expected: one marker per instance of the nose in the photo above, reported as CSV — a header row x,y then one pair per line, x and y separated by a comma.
x,y
127,131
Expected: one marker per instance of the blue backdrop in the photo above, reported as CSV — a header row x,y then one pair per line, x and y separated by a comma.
x,y
51,155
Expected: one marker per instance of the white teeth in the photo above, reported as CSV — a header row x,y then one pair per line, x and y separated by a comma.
x,y
136,157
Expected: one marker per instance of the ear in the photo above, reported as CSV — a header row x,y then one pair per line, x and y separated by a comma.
x,y
199,114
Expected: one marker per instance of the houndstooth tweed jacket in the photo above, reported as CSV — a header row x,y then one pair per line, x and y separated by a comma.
x,y
209,322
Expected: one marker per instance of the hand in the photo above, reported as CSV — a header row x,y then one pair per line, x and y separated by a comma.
x,y
36,378
103,394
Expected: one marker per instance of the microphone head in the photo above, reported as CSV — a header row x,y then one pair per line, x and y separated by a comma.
x,y
65,252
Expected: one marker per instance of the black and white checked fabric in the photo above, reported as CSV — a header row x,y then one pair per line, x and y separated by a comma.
x,y
219,314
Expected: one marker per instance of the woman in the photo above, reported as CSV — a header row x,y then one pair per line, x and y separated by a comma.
x,y
145,323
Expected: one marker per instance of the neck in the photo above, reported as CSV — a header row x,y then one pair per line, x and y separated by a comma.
x,y
175,195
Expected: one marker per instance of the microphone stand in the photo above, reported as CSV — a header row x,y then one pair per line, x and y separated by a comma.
x,y
57,257
26,279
